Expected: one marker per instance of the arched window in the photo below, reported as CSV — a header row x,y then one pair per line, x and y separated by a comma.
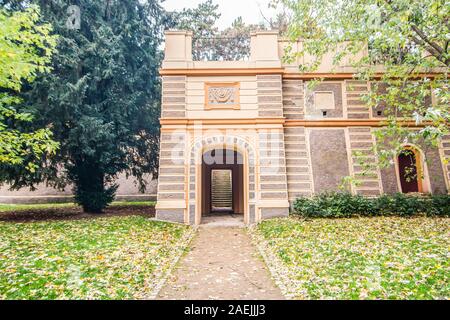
x,y
410,170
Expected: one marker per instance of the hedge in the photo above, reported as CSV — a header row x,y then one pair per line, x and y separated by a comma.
x,y
341,205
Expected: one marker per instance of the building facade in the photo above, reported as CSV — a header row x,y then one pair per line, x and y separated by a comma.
x,y
251,136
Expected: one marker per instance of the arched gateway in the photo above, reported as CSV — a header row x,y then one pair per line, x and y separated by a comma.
x,y
219,171
222,153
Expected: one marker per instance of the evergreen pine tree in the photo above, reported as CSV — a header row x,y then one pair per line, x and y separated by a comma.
x,y
102,97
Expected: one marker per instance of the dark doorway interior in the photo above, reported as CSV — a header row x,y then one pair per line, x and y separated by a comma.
x,y
407,164
222,182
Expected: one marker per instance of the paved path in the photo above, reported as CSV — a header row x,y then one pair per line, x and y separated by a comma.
x,y
222,264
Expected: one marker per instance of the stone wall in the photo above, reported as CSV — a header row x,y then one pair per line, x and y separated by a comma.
x,y
329,158
318,160
334,110
436,171
128,190
445,154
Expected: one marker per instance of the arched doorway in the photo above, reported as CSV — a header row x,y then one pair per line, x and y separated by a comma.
x,y
222,191
220,142
410,171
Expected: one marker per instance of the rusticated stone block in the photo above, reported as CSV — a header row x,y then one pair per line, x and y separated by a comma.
x,y
173,215
268,213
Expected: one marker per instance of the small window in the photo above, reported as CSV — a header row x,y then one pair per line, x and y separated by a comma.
x,y
379,113
324,113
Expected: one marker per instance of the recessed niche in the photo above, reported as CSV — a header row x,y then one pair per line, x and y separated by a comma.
x,y
324,100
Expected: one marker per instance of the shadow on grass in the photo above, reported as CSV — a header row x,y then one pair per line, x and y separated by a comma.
x,y
71,211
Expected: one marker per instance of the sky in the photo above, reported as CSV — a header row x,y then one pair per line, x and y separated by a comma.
x,y
229,9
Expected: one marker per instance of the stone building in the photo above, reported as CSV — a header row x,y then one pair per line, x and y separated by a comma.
x,y
248,137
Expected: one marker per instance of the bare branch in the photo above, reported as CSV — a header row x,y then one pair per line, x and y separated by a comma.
x,y
437,51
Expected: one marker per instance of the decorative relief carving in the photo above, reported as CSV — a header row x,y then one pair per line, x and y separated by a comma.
x,y
222,95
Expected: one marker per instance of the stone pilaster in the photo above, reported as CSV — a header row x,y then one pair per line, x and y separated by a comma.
x,y
171,182
269,96
293,99
354,92
173,97
361,152
298,163
445,154
273,194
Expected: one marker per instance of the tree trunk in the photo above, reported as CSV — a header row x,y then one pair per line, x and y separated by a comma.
x,y
91,192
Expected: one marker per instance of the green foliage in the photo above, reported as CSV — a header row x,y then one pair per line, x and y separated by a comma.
x,y
340,205
102,98
406,38
358,258
440,205
336,205
94,200
401,204
103,258
26,47
202,22
231,44
210,43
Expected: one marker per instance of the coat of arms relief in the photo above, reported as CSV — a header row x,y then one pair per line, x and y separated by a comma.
x,y
218,95
222,95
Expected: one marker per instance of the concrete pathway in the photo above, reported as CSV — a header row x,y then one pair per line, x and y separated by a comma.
x,y
222,264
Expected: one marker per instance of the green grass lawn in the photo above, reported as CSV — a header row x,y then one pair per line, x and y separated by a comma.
x,y
359,258
46,206
104,258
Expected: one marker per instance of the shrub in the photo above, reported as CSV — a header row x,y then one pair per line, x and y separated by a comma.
x,y
334,204
439,205
399,204
339,205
